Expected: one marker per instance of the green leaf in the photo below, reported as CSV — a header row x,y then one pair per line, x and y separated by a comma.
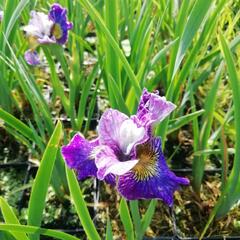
x,y
136,217
231,192
36,230
209,106
97,18
109,233
10,218
80,206
42,179
147,218
177,123
197,15
126,219
18,125
116,94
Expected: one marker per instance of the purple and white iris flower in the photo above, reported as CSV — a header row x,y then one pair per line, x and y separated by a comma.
x,y
46,29
126,153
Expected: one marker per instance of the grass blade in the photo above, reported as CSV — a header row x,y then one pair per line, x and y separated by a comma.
x,y
80,206
10,218
36,230
126,219
210,102
231,193
42,179
17,125
197,15
147,218
177,123
136,217
97,18
109,233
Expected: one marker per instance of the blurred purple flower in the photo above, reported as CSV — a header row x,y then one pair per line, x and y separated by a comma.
x,y
1,15
47,29
127,153
32,57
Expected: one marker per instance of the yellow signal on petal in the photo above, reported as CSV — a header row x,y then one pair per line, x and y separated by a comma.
x,y
57,31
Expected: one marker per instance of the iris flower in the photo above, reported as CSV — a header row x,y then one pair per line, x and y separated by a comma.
x,y
126,153
46,29
1,15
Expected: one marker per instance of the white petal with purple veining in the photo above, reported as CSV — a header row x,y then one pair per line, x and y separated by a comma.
x,y
108,163
109,127
39,25
129,135
152,108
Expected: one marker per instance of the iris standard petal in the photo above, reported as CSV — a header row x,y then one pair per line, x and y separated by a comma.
x,y
39,25
108,163
32,57
151,177
77,155
129,135
153,108
60,28
109,127
119,132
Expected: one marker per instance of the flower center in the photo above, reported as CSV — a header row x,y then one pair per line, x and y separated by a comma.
x,y
57,31
146,167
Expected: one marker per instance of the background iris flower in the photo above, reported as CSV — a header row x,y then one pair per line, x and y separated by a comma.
x,y
127,154
46,29
1,15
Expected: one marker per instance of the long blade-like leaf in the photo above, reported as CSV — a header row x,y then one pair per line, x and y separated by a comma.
x,y
80,206
10,218
42,179
36,230
231,192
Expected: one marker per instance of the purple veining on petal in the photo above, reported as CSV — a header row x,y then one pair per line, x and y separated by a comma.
x,y
153,108
32,57
119,132
109,126
108,163
77,155
126,150
148,182
39,27
59,30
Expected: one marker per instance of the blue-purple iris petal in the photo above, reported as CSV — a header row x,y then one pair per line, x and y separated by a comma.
x,y
32,57
58,15
110,179
77,155
160,184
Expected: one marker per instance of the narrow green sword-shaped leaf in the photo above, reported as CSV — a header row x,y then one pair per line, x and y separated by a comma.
x,y
147,218
42,179
18,125
231,192
10,218
126,219
80,206
195,20
97,18
36,230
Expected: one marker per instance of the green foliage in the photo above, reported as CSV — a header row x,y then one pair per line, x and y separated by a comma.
x,y
117,48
